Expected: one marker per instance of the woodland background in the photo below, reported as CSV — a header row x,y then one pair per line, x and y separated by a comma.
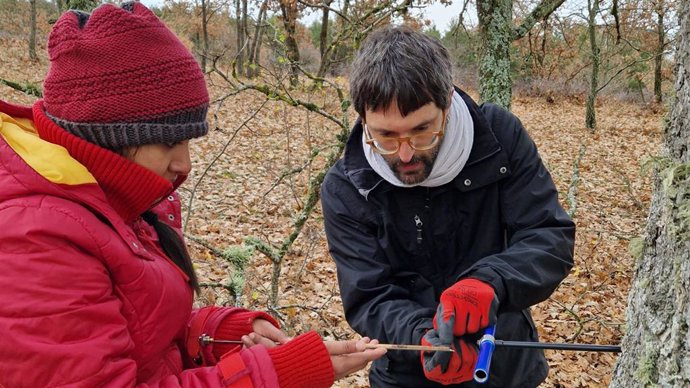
x,y
590,82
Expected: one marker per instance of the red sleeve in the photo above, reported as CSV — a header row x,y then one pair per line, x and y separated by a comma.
x,y
223,323
303,362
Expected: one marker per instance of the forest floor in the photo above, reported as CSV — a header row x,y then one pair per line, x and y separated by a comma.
x,y
241,188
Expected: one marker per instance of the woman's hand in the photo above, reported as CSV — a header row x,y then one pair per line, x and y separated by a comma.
x,y
264,334
351,356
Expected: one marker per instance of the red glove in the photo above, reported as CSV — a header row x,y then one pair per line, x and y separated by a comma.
x,y
446,367
466,307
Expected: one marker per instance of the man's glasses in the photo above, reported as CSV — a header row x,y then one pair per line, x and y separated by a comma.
x,y
390,145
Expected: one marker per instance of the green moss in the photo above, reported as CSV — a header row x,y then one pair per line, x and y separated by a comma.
x,y
636,247
644,283
238,256
675,186
647,372
652,163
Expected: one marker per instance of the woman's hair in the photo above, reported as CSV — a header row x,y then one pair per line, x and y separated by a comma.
x,y
173,246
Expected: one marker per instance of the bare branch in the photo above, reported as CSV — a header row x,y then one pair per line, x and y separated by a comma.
x,y
215,159
540,12
29,89
324,6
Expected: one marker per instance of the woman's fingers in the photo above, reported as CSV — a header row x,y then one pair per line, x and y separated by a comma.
x,y
267,330
351,356
256,339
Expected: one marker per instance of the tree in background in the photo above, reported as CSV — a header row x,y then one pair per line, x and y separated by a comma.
x,y
32,34
290,14
592,14
337,41
624,38
662,8
208,9
656,351
497,32
253,61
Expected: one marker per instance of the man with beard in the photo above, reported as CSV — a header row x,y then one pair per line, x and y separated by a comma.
x,y
442,220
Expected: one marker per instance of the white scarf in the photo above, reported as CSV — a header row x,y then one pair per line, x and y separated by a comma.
x,y
455,149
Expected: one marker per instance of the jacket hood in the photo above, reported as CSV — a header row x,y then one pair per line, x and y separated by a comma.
x,y
31,165
37,157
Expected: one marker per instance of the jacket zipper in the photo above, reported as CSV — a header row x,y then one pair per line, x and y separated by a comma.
x,y
418,223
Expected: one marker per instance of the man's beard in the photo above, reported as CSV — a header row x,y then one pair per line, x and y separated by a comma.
x,y
426,159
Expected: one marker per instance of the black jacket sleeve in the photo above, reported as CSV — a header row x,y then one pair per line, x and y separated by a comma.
x,y
540,235
377,303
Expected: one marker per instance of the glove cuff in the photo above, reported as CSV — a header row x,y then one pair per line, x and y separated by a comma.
x,y
233,326
223,323
303,362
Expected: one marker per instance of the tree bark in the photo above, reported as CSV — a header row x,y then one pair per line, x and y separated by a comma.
x,y
255,50
325,48
497,33
240,37
245,36
590,114
495,29
661,42
204,33
290,14
32,33
323,37
656,349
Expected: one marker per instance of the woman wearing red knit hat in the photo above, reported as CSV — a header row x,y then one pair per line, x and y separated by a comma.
x,y
96,283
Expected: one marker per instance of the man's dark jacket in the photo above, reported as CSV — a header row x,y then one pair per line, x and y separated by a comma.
x,y
397,249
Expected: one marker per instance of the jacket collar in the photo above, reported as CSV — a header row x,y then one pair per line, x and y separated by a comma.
x,y
365,179
129,188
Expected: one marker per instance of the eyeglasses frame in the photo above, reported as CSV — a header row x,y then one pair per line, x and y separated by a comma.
x,y
369,139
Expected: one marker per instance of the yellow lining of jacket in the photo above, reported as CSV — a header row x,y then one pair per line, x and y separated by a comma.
x,y
52,161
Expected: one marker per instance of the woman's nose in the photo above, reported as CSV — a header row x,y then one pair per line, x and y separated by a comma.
x,y
181,163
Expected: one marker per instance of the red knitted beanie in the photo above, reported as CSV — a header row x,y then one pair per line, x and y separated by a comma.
x,y
119,78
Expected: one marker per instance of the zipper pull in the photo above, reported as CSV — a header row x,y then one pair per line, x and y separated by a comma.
x,y
419,224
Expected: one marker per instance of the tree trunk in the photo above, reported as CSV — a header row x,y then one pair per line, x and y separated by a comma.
x,y
495,28
342,49
204,33
658,59
32,33
245,36
255,50
289,11
324,49
496,33
240,37
656,350
323,37
590,114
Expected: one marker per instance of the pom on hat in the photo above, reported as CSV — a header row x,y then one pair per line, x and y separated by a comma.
x,y
120,78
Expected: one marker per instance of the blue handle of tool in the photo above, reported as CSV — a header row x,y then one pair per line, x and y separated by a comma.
x,y
486,350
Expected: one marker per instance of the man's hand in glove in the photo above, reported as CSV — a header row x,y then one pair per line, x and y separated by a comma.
x,y
446,367
466,307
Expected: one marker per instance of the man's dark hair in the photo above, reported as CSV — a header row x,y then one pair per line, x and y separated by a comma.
x,y
402,65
